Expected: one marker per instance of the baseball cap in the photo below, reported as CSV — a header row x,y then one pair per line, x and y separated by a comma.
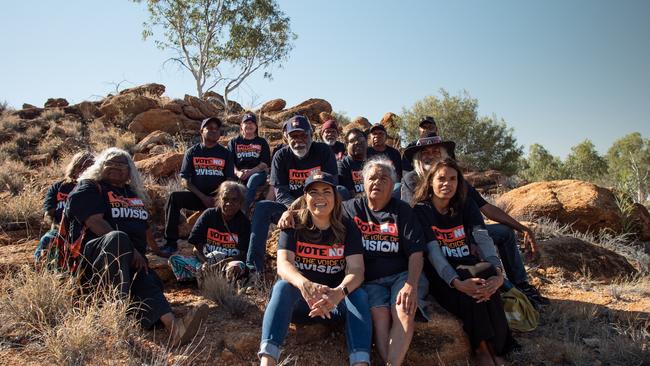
x,y
377,126
249,116
210,119
330,123
297,123
427,119
322,177
430,139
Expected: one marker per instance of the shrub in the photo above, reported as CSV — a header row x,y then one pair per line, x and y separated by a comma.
x,y
13,176
52,114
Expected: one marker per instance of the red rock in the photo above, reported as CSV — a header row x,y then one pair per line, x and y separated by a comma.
x,y
641,219
193,113
205,108
29,113
361,123
56,103
151,90
163,165
122,108
28,106
153,139
389,120
175,106
140,156
310,108
274,105
162,120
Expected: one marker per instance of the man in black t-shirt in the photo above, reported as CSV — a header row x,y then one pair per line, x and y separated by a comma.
x,y
427,127
329,133
350,167
378,146
205,166
290,167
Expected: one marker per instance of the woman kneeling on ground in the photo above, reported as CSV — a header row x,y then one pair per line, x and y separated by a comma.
x,y
107,210
57,195
461,282
221,232
320,264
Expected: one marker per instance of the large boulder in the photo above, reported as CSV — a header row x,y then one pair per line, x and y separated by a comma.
x,y
311,108
274,105
192,112
175,105
151,90
641,219
389,120
574,258
28,113
56,103
361,123
153,139
205,108
163,165
86,110
489,181
162,120
585,206
122,108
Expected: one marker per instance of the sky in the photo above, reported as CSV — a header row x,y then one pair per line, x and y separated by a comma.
x,y
556,71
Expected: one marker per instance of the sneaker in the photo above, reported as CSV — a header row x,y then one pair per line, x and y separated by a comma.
x,y
532,294
186,327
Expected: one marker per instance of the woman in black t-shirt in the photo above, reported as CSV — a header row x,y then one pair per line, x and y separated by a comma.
x,y
461,283
221,232
320,263
57,195
109,232
252,157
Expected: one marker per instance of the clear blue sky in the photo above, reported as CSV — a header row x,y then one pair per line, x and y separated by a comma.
x,y
557,71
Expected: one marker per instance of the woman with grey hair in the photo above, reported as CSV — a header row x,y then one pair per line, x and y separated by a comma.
x,y
221,232
56,196
393,245
108,229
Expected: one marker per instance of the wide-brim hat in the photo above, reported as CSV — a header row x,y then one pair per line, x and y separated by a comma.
x,y
430,139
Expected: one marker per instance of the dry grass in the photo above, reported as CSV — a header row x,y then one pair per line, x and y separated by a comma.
x,y
215,287
14,175
24,209
52,114
102,137
9,123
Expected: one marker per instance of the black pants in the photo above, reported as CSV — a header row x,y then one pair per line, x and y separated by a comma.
x,y
484,321
107,259
175,202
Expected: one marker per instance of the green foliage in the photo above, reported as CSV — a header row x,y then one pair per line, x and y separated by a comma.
x,y
481,142
584,163
629,165
341,118
221,41
540,165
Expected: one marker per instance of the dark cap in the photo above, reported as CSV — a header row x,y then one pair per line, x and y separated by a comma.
x,y
249,117
330,123
431,139
211,119
297,123
377,126
322,177
427,119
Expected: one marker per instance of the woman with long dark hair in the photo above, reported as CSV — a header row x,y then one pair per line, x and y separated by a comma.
x,y
463,283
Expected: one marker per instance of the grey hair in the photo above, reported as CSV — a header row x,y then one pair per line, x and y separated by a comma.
x,y
76,162
223,187
382,162
95,171
418,166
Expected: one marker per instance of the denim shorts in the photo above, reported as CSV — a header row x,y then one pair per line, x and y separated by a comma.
x,y
383,291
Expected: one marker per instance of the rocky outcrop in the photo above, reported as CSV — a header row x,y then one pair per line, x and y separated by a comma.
x,y
162,120
274,105
202,108
361,123
56,103
153,139
122,108
311,108
163,165
389,120
151,90
489,181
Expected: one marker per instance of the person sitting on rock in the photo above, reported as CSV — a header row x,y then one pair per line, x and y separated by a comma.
x,y
431,149
352,164
329,133
393,246
427,126
57,195
291,166
221,232
108,211
378,146
462,283
205,166
251,156
308,291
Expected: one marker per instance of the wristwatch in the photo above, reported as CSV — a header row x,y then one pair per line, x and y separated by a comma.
x,y
345,291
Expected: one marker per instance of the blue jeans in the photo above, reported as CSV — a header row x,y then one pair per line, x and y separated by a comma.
x,y
506,242
44,243
266,212
343,192
254,182
287,305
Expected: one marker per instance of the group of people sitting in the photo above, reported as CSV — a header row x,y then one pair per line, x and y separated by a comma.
x,y
366,234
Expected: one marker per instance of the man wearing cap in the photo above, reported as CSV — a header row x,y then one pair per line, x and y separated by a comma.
x,y
251,156
205,166
424,154
290,167
329,133
378,146
426,126
351,166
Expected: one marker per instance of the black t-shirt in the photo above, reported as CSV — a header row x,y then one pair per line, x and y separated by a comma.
x,y
120,206
247,154
318,256
409,183
393,155
291,172
210,233
389,236
338,149
350,175
55,198
407,165
207,168
452,232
